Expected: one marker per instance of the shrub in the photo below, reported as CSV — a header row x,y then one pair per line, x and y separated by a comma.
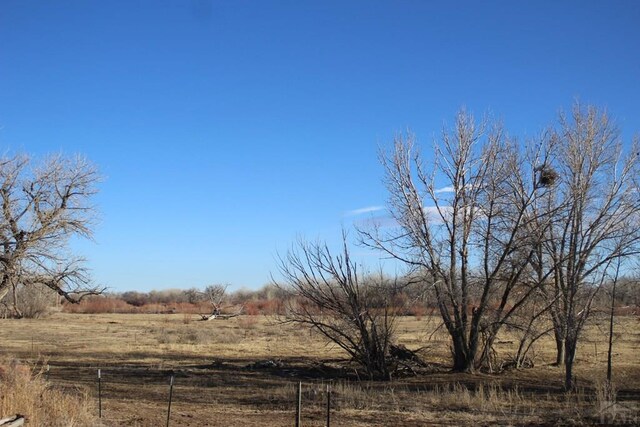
x,y
262,306
100,304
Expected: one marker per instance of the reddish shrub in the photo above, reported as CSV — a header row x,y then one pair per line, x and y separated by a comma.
x,y
100,304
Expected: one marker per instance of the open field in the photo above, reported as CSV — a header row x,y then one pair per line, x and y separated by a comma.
x,y
243,372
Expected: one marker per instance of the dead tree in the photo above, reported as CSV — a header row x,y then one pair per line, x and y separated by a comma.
x,y
216,295
43,207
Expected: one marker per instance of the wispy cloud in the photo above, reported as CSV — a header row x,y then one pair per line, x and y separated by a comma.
x,y
377,222
448,189
361,211
436,216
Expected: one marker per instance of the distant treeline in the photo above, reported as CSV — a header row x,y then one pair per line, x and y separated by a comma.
x,y
265,300
269,299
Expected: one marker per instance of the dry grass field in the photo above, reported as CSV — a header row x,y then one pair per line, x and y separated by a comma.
x,y
243,372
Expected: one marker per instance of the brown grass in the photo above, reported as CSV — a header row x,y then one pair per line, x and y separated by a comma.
x,y
218,381
23,392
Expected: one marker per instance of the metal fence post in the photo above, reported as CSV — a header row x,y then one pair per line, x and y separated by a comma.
x,y
170,396
99,394
299,404
328,405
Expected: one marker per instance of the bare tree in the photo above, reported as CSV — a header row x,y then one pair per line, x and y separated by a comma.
x,y
595,207
466,236
329,295
43,206
216,295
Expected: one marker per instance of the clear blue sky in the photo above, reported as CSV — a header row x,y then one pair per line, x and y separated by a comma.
x,y
225,129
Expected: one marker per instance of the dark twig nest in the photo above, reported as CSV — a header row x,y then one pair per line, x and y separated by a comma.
x,y
547,176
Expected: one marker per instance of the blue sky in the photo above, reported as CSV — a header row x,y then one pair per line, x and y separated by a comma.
x,y
226,129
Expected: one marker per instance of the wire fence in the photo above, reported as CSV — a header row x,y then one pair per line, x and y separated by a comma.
x,y
142,377
324,400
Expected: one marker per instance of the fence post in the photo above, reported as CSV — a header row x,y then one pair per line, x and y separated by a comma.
x,y
99,394
299,404
328,405
170,396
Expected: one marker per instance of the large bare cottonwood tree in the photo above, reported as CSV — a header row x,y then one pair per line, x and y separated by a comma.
x,y
595,209
43,206
461,224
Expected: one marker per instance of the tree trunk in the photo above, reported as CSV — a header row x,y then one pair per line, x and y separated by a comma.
x,y
4,291
611,318
569,356
16,310
463,359
560,348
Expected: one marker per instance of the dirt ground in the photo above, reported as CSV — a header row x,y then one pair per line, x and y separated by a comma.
x,y
244,372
